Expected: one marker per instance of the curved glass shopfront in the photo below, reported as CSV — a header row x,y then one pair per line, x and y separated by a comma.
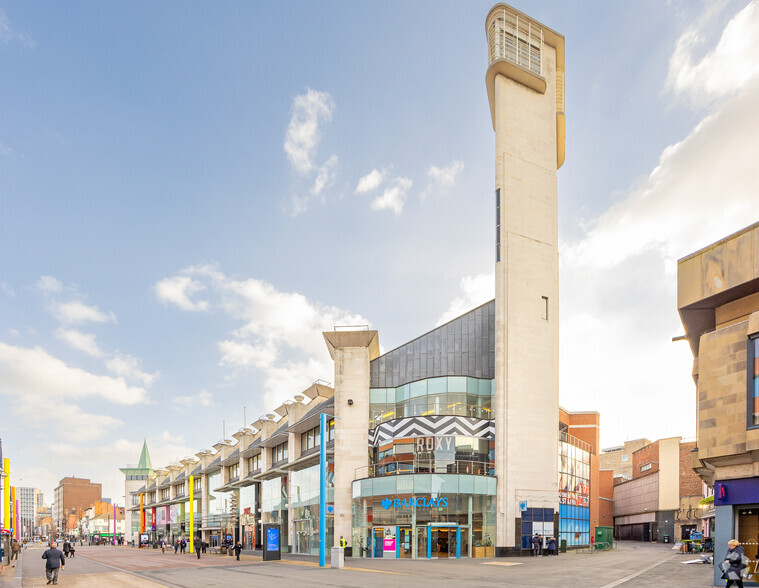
x,y
447,395
424,516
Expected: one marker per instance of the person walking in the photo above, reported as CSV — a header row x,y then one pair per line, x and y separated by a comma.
x,y
15,548
198,547
238,549
343,542
176,546
536,545
72,550
54,561
551,546
182,545
163,546
66,547
734,564
204,545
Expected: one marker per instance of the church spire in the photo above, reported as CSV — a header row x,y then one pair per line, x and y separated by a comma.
x,y
145,462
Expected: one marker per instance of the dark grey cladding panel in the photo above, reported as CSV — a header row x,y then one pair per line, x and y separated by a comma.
x,y
463,347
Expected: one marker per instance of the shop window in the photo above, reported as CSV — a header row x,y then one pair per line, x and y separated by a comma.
x,y
753,382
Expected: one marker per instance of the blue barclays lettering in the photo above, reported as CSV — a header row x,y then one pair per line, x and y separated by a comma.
x,y
415,501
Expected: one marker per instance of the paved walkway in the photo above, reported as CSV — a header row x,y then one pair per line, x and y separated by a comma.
x,y
631,565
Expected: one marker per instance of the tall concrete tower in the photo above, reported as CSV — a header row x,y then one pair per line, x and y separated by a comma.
x,y
525,82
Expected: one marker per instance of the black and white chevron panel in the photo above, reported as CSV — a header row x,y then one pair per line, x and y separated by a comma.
x,y
426,426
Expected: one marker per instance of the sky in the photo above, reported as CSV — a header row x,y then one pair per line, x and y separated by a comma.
x,y
191,192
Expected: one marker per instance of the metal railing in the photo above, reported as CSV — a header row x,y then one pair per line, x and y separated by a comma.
x,y
424,466
516,39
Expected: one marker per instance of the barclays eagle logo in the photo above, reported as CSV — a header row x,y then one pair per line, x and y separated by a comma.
x,y
386,503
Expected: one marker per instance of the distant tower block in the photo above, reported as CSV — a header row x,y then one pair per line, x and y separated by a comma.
x,y
525,83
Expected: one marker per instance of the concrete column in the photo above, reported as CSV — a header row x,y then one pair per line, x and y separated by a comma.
x,y
351,351
528,150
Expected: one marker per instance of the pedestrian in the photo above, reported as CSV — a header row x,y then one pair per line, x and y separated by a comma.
x,y
15,548
734,564
72,550
66,547
238,549
176,546
204,544
536,544
197,547
182,545
343,542
551,546
54,561
163,546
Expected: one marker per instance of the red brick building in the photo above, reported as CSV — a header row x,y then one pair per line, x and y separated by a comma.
x,y
72,497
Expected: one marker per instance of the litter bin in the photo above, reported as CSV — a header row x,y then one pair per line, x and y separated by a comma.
x,y
563,546
338,558
666,538
223,550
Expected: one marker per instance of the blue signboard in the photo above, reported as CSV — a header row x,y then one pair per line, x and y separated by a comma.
x,y
696,536
272,539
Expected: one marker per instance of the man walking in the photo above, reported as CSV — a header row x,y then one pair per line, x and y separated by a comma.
x,y
54,560
238,549
15,548
66,547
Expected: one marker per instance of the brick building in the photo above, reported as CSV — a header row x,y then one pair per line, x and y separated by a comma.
x,y
72,497
661,500
619,459
585,426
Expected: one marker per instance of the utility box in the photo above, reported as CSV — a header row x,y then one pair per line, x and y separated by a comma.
x,y
271,547
605,535
338,558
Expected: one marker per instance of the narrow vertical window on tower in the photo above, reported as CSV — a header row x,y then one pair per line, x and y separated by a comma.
x,y
544,308
498,225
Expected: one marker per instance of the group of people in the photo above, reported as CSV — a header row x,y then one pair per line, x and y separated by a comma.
x,y
69,548
543,546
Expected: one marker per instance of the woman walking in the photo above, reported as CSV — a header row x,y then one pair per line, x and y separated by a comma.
x,y
734,564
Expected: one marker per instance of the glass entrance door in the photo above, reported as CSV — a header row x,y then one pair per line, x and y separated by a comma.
x,y
404,542
379,535
464,541
303,536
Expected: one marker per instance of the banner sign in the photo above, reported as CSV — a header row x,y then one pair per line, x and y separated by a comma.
x,y
152,518
414,501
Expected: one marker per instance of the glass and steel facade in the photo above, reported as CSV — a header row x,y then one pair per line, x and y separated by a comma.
x,y
753,383
449,395
574,491
304,508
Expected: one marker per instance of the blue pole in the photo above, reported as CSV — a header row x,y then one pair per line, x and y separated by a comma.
x,y
322,489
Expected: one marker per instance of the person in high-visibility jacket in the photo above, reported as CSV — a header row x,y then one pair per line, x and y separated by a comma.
x,y
343,542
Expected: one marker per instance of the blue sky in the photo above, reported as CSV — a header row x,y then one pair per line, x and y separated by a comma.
x,y
191,192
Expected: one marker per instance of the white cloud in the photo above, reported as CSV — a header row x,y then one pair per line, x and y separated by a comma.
x,y
202,398
325,175
178,289
309,112
370,181
36,375
446,176
727,68
393,197
273,325
49,284
8,36
303,135
475,290
76,312
14,332
129,367
84,342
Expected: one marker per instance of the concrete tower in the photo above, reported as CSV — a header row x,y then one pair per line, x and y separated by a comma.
x,y
525,83
134,478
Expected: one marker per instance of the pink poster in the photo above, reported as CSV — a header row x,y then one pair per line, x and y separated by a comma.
x,y
388,544
163,516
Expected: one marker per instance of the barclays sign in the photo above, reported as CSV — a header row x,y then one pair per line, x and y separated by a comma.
x,y
414,501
